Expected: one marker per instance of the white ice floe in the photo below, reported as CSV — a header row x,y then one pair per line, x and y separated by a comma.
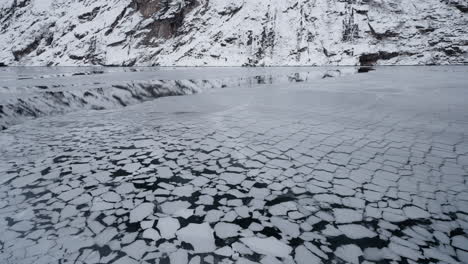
x,y
164,172
168,226
414,212
344,216
286,226
304,256
349,253
282,208
267,246
141,212
355,231
232,178
106,236
184,213
200,236
111,197
179,257
151,234
225,230
132,167
173,208
136,250
183,191
460,242
125,188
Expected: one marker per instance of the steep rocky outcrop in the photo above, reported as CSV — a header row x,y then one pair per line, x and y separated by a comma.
x,y
233,32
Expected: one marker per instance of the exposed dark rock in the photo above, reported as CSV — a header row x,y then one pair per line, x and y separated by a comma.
x,y
370,59
18,54
90,15
365,69
380,36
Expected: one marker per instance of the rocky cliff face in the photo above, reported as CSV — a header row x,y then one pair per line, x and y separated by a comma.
x,y
233,32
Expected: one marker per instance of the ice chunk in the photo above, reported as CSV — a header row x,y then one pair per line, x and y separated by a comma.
x,y
304,256
172,208
414,212
132,167
232,178
168,227
125,188
267,246
165,172
151,234
356,231
225,251
105,236
184,213
344,216
179,257
136,250
460,242
186,190
349,253
200,236
286,227
111,197
225,230
141,212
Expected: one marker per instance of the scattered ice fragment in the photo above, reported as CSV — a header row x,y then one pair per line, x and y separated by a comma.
x,y
354,231
179,257
151,234
344,216
225,230
168,226
136,250
132,167
184,213
414,212
105,236
141,212
304,256
165,172
111,197
200,236
171,208
232,178
125,188
224,251
460,242
349,253
267,246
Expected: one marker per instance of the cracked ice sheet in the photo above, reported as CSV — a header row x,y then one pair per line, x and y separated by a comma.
x,y
368,167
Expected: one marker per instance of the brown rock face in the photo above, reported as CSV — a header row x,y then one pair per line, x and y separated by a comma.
x,y
148,7
167,26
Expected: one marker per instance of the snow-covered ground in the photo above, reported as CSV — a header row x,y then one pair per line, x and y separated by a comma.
x,y
362,168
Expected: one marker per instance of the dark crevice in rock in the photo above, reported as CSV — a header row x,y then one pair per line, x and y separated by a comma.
x,y
380,36
369,59
90,15
18,54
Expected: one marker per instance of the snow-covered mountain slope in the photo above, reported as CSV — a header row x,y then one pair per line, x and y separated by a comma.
x,y
233,32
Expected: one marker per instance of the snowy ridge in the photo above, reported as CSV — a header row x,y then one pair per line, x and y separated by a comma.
x,y
43,92
232,32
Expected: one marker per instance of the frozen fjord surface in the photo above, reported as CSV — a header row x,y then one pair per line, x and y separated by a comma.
x,y
31,92
365,167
